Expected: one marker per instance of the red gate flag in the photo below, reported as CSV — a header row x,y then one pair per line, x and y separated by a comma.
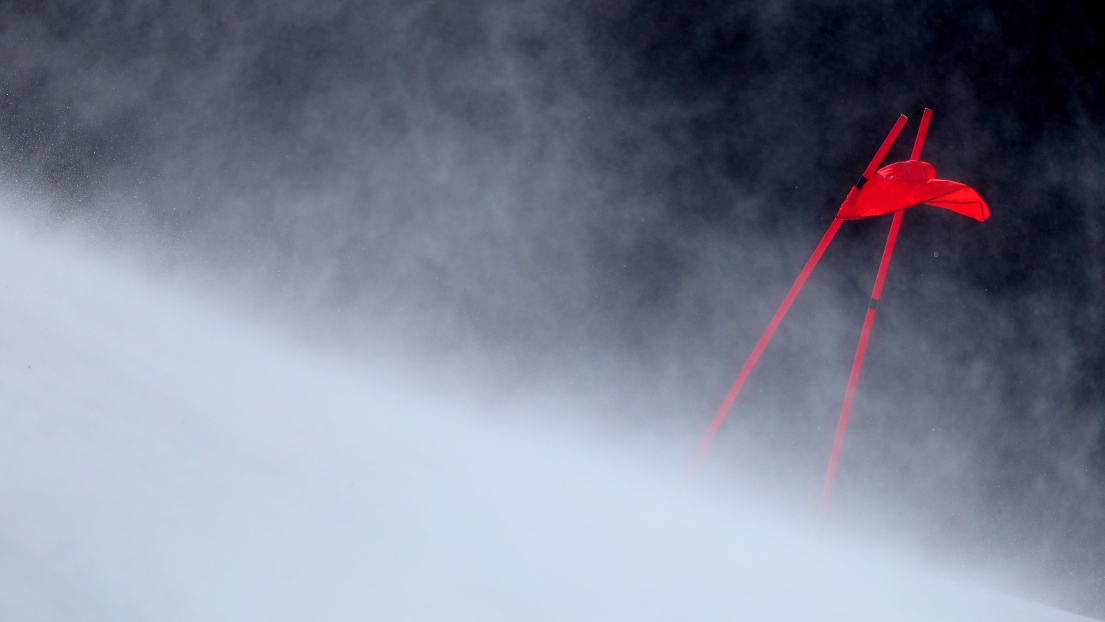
x,y
905,184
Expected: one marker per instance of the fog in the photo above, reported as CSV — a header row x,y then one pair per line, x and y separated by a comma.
x,y
165,460
565,227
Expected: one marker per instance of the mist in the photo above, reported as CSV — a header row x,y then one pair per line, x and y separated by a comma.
x,y
166,460
531,202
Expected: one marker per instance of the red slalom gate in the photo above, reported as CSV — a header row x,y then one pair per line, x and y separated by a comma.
x,y
777,319
892,188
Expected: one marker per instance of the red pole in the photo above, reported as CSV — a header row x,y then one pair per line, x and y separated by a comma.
x,y
865,335
922,131
857,364
791,295
764,339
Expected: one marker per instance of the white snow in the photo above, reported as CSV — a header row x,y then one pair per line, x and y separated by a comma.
x,y
160,460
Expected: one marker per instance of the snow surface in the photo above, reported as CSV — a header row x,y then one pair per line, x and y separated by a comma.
x,y
160,460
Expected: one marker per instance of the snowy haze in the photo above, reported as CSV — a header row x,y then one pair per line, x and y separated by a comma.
x,y
165,459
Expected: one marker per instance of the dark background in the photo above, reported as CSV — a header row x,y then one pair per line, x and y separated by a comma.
x,y
620,194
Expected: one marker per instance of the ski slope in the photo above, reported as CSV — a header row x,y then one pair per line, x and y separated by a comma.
x,y
160,460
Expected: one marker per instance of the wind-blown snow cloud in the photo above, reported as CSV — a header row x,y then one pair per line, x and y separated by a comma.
x,y
164,460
